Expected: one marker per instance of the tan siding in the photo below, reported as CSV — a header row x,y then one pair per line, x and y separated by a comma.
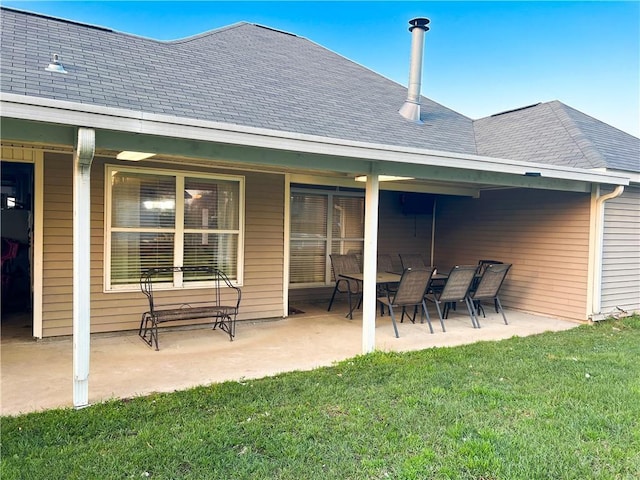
x,y
398,233
263,256
264,247
57,308
544,234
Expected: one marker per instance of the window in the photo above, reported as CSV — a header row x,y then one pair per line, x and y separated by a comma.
x,y
323,223
157,218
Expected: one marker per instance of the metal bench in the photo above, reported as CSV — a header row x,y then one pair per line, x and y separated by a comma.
x,y
222,314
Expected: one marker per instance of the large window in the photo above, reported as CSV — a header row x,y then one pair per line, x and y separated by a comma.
x,y
157,218
323,223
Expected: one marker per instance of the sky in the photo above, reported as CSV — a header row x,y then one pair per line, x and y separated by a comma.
x,y
480,57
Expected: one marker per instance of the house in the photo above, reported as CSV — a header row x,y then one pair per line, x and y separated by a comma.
x,y
244,147
556,134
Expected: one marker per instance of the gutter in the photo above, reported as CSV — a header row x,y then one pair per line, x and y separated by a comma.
x,y
130,121
598,231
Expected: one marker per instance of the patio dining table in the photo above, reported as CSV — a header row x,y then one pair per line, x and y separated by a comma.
x,y
437,280
381,279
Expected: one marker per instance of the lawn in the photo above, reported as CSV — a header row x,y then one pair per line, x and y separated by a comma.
x,y
553,406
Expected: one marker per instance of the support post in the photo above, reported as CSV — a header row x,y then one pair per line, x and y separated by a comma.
x,y
82,159
370,262
433,234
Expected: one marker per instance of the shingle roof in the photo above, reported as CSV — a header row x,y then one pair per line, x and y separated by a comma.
x,y
242,74
251,75
557,134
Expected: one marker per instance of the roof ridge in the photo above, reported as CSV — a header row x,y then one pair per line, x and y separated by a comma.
x,y
208,33
515,110
583,142
57,19
131,35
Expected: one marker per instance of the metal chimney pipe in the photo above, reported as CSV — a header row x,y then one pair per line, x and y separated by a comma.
x,y
411,107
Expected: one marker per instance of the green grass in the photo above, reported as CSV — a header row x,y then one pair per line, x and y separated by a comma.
x,y
553,406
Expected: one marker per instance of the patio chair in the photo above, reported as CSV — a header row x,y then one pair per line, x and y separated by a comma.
x,y
385,264
411,293
482,265
358,255
455,289
413,260
344,264
488,288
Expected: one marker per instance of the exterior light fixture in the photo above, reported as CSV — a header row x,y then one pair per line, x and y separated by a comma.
x,y
55,65
383,178
133,156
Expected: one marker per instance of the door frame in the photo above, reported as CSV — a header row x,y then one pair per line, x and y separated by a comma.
x,y
35,157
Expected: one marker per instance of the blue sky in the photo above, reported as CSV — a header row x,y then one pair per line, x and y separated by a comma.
x,y
480,57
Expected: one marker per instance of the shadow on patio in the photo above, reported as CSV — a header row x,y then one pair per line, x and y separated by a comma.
x,y
38,375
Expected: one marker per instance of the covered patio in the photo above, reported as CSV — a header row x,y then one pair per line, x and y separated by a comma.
x,y
36,375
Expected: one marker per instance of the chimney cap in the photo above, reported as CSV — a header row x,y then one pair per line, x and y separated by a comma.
x,y
420,22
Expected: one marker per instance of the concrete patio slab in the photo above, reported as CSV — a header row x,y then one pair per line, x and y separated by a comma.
x,y
38,375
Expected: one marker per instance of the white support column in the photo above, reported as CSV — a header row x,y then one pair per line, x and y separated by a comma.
x,y
287,244
370,263
82,159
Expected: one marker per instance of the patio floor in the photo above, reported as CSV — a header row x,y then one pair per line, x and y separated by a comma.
x,y
38,375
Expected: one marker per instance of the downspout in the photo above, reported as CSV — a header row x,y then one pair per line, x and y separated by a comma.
x,y
82,159
598,231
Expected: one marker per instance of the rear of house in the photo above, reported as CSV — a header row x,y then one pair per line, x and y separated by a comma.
x,y
246,179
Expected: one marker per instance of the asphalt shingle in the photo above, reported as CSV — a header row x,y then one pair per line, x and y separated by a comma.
x,y
242,74
255,76
554,133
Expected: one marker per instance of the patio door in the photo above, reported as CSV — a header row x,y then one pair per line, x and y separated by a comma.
x,y
322,222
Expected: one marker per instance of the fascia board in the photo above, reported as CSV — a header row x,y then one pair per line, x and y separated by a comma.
x,y
118,119
632,176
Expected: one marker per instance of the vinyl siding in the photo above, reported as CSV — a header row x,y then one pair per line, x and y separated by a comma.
x,y
115,311
621,253
544,234
57,248
398,233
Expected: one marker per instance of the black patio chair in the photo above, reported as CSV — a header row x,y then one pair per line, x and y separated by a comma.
x,y
410,293
416,260
358,255
385,264
489,287
482,265
455,289
413,260
345,264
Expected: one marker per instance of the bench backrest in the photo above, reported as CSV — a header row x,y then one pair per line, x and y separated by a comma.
x,y
216,280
